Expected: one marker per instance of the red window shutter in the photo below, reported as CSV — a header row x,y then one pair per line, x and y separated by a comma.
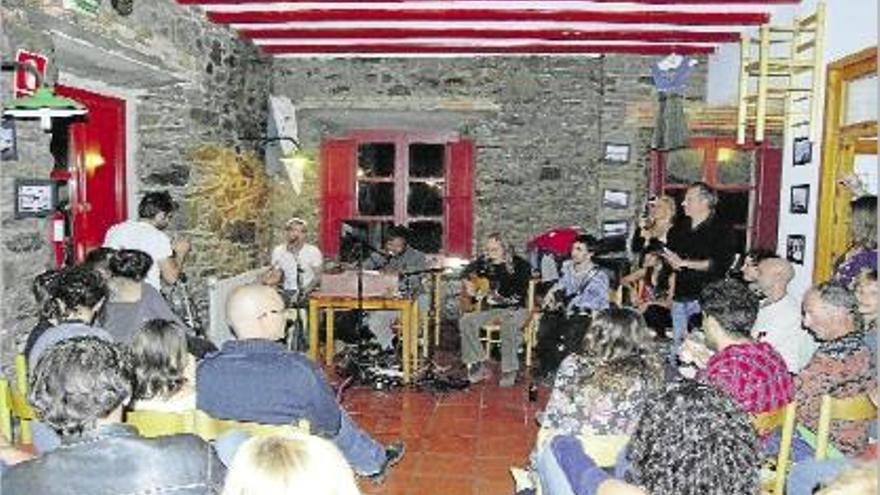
x,y
459,209
768,177
337,172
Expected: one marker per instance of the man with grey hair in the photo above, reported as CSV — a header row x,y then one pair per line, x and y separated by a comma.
x,y
841,366
779,319
700,251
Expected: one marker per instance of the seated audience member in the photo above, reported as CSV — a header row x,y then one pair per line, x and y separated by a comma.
x,y
282,465
77,297
79,388
653,286
601,387
164,372
855,480
132,302
866,294
779,319
862,253
691,440
748,269
842,365
568,305
752,373
256,379
654,226
42,288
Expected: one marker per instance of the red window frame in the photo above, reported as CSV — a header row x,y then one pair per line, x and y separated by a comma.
x,y
761,224
339,185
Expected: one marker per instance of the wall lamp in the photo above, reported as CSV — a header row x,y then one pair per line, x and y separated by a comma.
x,y
262,141
43,104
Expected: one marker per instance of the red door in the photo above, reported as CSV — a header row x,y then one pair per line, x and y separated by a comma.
x,y
97,165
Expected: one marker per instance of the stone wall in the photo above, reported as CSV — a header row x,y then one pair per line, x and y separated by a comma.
x,y
190,82
539,124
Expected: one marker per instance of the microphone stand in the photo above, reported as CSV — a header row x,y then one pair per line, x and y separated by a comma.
x,y
362,247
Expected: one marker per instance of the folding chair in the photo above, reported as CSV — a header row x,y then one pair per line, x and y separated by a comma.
x,y
157,424
210,428
856,408
764,423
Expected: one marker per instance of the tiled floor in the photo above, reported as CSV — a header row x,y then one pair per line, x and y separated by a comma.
x,y
460,443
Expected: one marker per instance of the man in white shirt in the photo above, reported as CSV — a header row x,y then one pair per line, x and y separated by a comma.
x,y
779,319
146,234
296,264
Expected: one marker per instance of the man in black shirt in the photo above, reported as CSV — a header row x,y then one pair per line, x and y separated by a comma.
x,y
700,251
505,302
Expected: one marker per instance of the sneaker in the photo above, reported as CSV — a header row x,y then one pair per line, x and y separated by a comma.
x,y
477,373
508,379
393,455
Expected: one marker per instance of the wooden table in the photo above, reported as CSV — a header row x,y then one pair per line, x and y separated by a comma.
x,y
408,317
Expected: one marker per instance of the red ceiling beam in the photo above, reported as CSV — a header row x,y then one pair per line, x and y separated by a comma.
x,y
452,2
498,15
658,36
536,49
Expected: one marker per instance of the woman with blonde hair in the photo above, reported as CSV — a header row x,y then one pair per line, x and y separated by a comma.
x,y
289,465
655,224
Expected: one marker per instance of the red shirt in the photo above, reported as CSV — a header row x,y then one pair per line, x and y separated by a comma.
x,y
754,375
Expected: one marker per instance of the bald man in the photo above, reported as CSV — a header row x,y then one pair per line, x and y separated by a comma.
x,y
256,379
779,319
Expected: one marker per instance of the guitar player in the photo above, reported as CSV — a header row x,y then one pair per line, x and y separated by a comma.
x,y
508,276
566,311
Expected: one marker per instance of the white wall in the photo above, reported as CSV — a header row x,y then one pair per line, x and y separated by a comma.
x,y
851,25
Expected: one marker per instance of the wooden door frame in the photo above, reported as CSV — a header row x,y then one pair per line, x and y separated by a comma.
x,y
839,144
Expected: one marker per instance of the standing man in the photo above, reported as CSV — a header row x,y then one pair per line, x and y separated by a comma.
x,y
401,259
146,234
296,264
508,277
699,250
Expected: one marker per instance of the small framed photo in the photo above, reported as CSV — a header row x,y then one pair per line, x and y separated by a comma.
x,y
615,199
8,148
34,197
615,228
616,153
800,199
795,247
802,151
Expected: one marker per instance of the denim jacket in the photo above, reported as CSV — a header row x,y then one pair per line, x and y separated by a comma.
x,y
115,460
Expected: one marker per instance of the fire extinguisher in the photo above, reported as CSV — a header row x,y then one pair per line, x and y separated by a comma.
x,y
58,236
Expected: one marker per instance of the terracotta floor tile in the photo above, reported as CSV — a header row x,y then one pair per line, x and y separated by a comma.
x,y
495,487
446,466
429,485
450,445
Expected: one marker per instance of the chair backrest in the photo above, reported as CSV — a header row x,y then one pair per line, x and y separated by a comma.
x,y
210,428
156,423
21,373
5,410
764,423
855,408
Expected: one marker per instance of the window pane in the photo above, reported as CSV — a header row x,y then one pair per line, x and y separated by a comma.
x,y
861,100
376,160
425,199
376,198
684,166
427,236
733,207
426,160
734,167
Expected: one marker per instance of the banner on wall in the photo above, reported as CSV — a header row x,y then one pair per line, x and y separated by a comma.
x,y
25,83
83,6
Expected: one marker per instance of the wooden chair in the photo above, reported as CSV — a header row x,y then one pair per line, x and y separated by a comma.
x,y
764,423
156,424
856,408
490,333
210,428
21,409
5,410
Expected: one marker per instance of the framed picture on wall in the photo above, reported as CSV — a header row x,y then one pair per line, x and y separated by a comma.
x,y
615,228
800,199
802,151
8,151
615,199
795,247
616,153
34,197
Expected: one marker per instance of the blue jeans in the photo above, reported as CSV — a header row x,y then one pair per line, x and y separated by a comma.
x,y
681,313
806,475
553,478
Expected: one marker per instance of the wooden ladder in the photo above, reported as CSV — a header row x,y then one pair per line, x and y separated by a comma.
x,y
780,75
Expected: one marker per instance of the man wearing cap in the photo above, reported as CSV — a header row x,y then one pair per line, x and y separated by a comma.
x,y
296,264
